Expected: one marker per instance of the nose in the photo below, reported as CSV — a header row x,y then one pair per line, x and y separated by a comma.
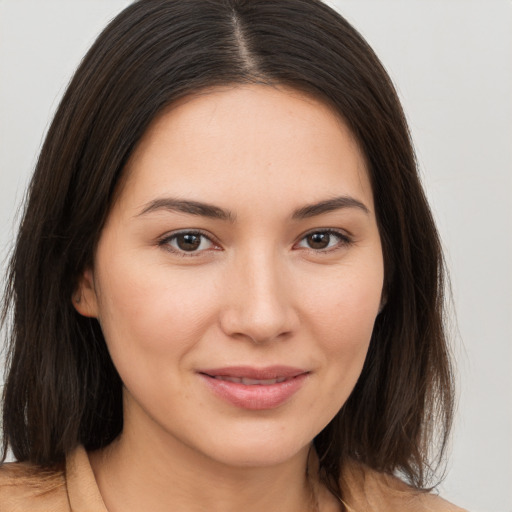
x,y
259,301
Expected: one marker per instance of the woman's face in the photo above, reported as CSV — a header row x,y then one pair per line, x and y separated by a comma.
x,y
239,274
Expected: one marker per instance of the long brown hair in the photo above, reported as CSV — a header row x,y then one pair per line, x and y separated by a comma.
x,y
62,388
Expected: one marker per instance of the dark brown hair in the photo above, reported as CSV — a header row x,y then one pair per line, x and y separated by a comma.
x,y
62,388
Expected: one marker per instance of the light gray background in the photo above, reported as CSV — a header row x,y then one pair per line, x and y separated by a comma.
x,y
452,63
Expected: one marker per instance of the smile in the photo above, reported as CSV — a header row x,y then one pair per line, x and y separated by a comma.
x,y
255,389
251,382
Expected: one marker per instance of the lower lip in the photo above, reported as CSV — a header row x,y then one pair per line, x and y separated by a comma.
x,y
256,397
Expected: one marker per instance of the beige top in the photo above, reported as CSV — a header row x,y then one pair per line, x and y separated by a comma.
x,y
24,488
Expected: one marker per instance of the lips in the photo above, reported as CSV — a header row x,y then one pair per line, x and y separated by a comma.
x,y
255,388
251,382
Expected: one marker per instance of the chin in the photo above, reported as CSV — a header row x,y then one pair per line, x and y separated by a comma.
x,y
257,456
249,447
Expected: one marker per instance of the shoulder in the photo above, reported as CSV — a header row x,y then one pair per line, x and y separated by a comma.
x,y
27,488
370,490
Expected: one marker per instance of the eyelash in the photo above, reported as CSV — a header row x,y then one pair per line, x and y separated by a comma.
x,y
344,241
166,241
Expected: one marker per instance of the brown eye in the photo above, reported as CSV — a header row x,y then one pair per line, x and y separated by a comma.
x,y
187,242
324,241
318,240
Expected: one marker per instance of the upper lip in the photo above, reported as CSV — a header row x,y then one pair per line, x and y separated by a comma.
x,y
250,372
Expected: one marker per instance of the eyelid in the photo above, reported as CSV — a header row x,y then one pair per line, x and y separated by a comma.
x,y
345,240
164,242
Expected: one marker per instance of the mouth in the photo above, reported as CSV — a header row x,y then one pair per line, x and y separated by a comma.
x,y
255,388
249,382
250,376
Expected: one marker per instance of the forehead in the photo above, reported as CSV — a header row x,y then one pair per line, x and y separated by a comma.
x,y
247,143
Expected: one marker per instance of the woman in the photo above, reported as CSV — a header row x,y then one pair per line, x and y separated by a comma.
x,y
227,286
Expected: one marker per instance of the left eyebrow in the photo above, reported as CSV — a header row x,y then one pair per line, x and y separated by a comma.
x,y
329,205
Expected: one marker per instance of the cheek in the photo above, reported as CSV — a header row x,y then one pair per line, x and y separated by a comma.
x,y
152,327
155,311
346,306
343,314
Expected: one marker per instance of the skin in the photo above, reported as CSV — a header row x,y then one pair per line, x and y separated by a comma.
x,y
253,293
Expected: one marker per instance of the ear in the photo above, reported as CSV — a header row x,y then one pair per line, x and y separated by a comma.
x,y
85,300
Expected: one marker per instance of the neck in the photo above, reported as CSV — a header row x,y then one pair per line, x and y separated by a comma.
x,y
157,473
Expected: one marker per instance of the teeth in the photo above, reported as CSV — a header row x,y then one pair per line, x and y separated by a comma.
x,y
251,382
229,379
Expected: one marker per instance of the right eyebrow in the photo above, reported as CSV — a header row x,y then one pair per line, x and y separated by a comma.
x,y
190,207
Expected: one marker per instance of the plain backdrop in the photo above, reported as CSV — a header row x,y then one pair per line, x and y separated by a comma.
x,y
451,61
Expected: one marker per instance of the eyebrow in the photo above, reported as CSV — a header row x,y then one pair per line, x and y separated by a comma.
x,y
214,212
329,205
190,207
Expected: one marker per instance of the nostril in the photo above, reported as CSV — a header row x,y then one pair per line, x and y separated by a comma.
x,y
276,325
